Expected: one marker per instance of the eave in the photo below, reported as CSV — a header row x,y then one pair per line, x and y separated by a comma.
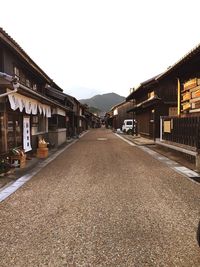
x,y
141,86
145,104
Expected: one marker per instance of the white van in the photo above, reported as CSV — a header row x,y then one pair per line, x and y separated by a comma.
x,y
127,126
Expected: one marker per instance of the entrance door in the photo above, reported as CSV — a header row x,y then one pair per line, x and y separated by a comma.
x,y
14,130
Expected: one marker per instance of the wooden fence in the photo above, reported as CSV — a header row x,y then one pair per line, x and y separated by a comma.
x,y
185,130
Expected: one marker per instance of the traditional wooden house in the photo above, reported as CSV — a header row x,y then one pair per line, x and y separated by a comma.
x,y
153,98
83,123
60,121
119,113
93,121
184,128
26,113
108,118
77,118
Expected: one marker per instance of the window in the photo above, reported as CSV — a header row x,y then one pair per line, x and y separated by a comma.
x,y
35,87
22,78
42,122
57,122
39,124
16,72
14,130
151,94
173,111
35,120
27,83
61,122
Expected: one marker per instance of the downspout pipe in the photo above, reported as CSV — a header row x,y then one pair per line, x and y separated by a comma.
x,y
12,80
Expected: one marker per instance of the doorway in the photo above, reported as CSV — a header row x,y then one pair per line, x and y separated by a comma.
x,y
14,130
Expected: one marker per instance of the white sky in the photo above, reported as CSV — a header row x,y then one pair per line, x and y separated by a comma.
x,y
99,46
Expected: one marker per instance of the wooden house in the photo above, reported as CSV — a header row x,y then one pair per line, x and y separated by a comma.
x,y
60,121
78,118
91,120
108,118
82,121
29,111
184,128
153,98
119,113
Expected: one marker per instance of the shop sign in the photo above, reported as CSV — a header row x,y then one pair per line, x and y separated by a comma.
x,y
26,134
167,126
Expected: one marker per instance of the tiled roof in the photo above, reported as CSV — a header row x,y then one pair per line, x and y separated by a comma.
x,y
58,94
117,105
12,43
142,85
146,103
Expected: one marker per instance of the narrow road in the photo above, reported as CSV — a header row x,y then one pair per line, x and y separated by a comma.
x,y
102,203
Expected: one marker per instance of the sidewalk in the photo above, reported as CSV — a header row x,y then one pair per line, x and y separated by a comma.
x,y
181,158
31,163
138,140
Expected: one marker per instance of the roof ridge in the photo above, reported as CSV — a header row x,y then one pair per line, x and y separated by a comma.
x,y
189,53
23,52
14,42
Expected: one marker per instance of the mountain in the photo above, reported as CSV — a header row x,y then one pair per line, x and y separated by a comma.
x,y
103,102
94,110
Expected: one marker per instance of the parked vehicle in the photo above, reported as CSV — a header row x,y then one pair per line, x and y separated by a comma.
x,y
128,126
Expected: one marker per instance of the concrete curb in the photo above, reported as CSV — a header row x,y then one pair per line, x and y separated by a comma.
x,y
9,189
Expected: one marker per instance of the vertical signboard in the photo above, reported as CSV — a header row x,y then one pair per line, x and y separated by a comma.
x,y
26,134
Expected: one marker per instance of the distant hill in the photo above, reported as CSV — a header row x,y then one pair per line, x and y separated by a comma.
x,y
94,110
103,102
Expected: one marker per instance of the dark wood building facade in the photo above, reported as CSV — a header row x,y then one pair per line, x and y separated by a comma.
x,y
184,128
37,108
119,113
152,100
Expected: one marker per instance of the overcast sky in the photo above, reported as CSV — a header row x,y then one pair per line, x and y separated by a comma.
x,y
98,46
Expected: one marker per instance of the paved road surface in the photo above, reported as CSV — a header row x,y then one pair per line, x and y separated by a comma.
x,y
102,203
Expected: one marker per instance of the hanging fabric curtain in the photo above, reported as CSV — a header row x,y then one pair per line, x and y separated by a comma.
x,y
30,105
13,102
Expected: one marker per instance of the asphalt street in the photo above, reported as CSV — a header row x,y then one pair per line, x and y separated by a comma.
x,y
102,203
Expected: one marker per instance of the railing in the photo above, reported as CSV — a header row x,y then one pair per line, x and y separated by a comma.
x,y
181,130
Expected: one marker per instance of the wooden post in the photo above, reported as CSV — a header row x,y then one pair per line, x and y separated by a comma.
x,y
5,132
161,128
178,97
197,162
